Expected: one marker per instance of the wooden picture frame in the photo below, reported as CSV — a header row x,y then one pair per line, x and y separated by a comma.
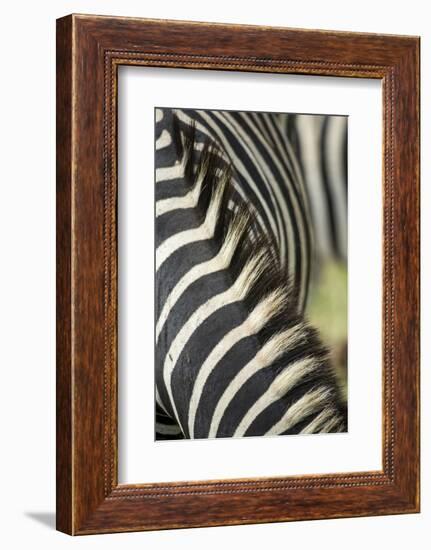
x,y
89,52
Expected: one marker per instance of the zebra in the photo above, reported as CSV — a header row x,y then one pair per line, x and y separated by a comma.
x,y
235,355
319,143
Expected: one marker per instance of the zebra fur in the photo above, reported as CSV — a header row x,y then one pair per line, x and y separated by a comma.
x,y
234,353
319,142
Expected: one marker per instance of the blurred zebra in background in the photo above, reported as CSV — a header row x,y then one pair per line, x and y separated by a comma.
x,y
320,145
319,142
239,233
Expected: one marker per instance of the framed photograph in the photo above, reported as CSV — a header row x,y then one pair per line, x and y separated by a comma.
x,y
237,274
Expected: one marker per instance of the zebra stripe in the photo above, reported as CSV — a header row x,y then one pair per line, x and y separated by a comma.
x,y
320,142
257,319
256,193
269,353
234,353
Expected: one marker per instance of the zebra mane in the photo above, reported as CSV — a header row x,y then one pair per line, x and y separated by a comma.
x,y
286,344
208,170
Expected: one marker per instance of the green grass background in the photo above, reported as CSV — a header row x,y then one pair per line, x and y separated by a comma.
x,y
327,311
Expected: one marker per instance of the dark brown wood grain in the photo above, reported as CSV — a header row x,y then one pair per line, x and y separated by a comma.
x,y
64,286
89,51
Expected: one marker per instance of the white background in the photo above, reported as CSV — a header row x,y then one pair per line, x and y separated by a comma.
x,y
27,214
141,458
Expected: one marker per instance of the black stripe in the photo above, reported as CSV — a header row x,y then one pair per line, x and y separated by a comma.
x,y
278,178
249,165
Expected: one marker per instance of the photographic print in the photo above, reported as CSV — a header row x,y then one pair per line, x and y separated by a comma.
x,y
251,273
202,274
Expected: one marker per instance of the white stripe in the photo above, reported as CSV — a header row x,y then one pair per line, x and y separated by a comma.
x,y
250,273
219,262
257,319
203,232
306,405
190,200
282,384
159,115
239,166
331,424
164,140
169,173
334,148
317,422
257,117
265,357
